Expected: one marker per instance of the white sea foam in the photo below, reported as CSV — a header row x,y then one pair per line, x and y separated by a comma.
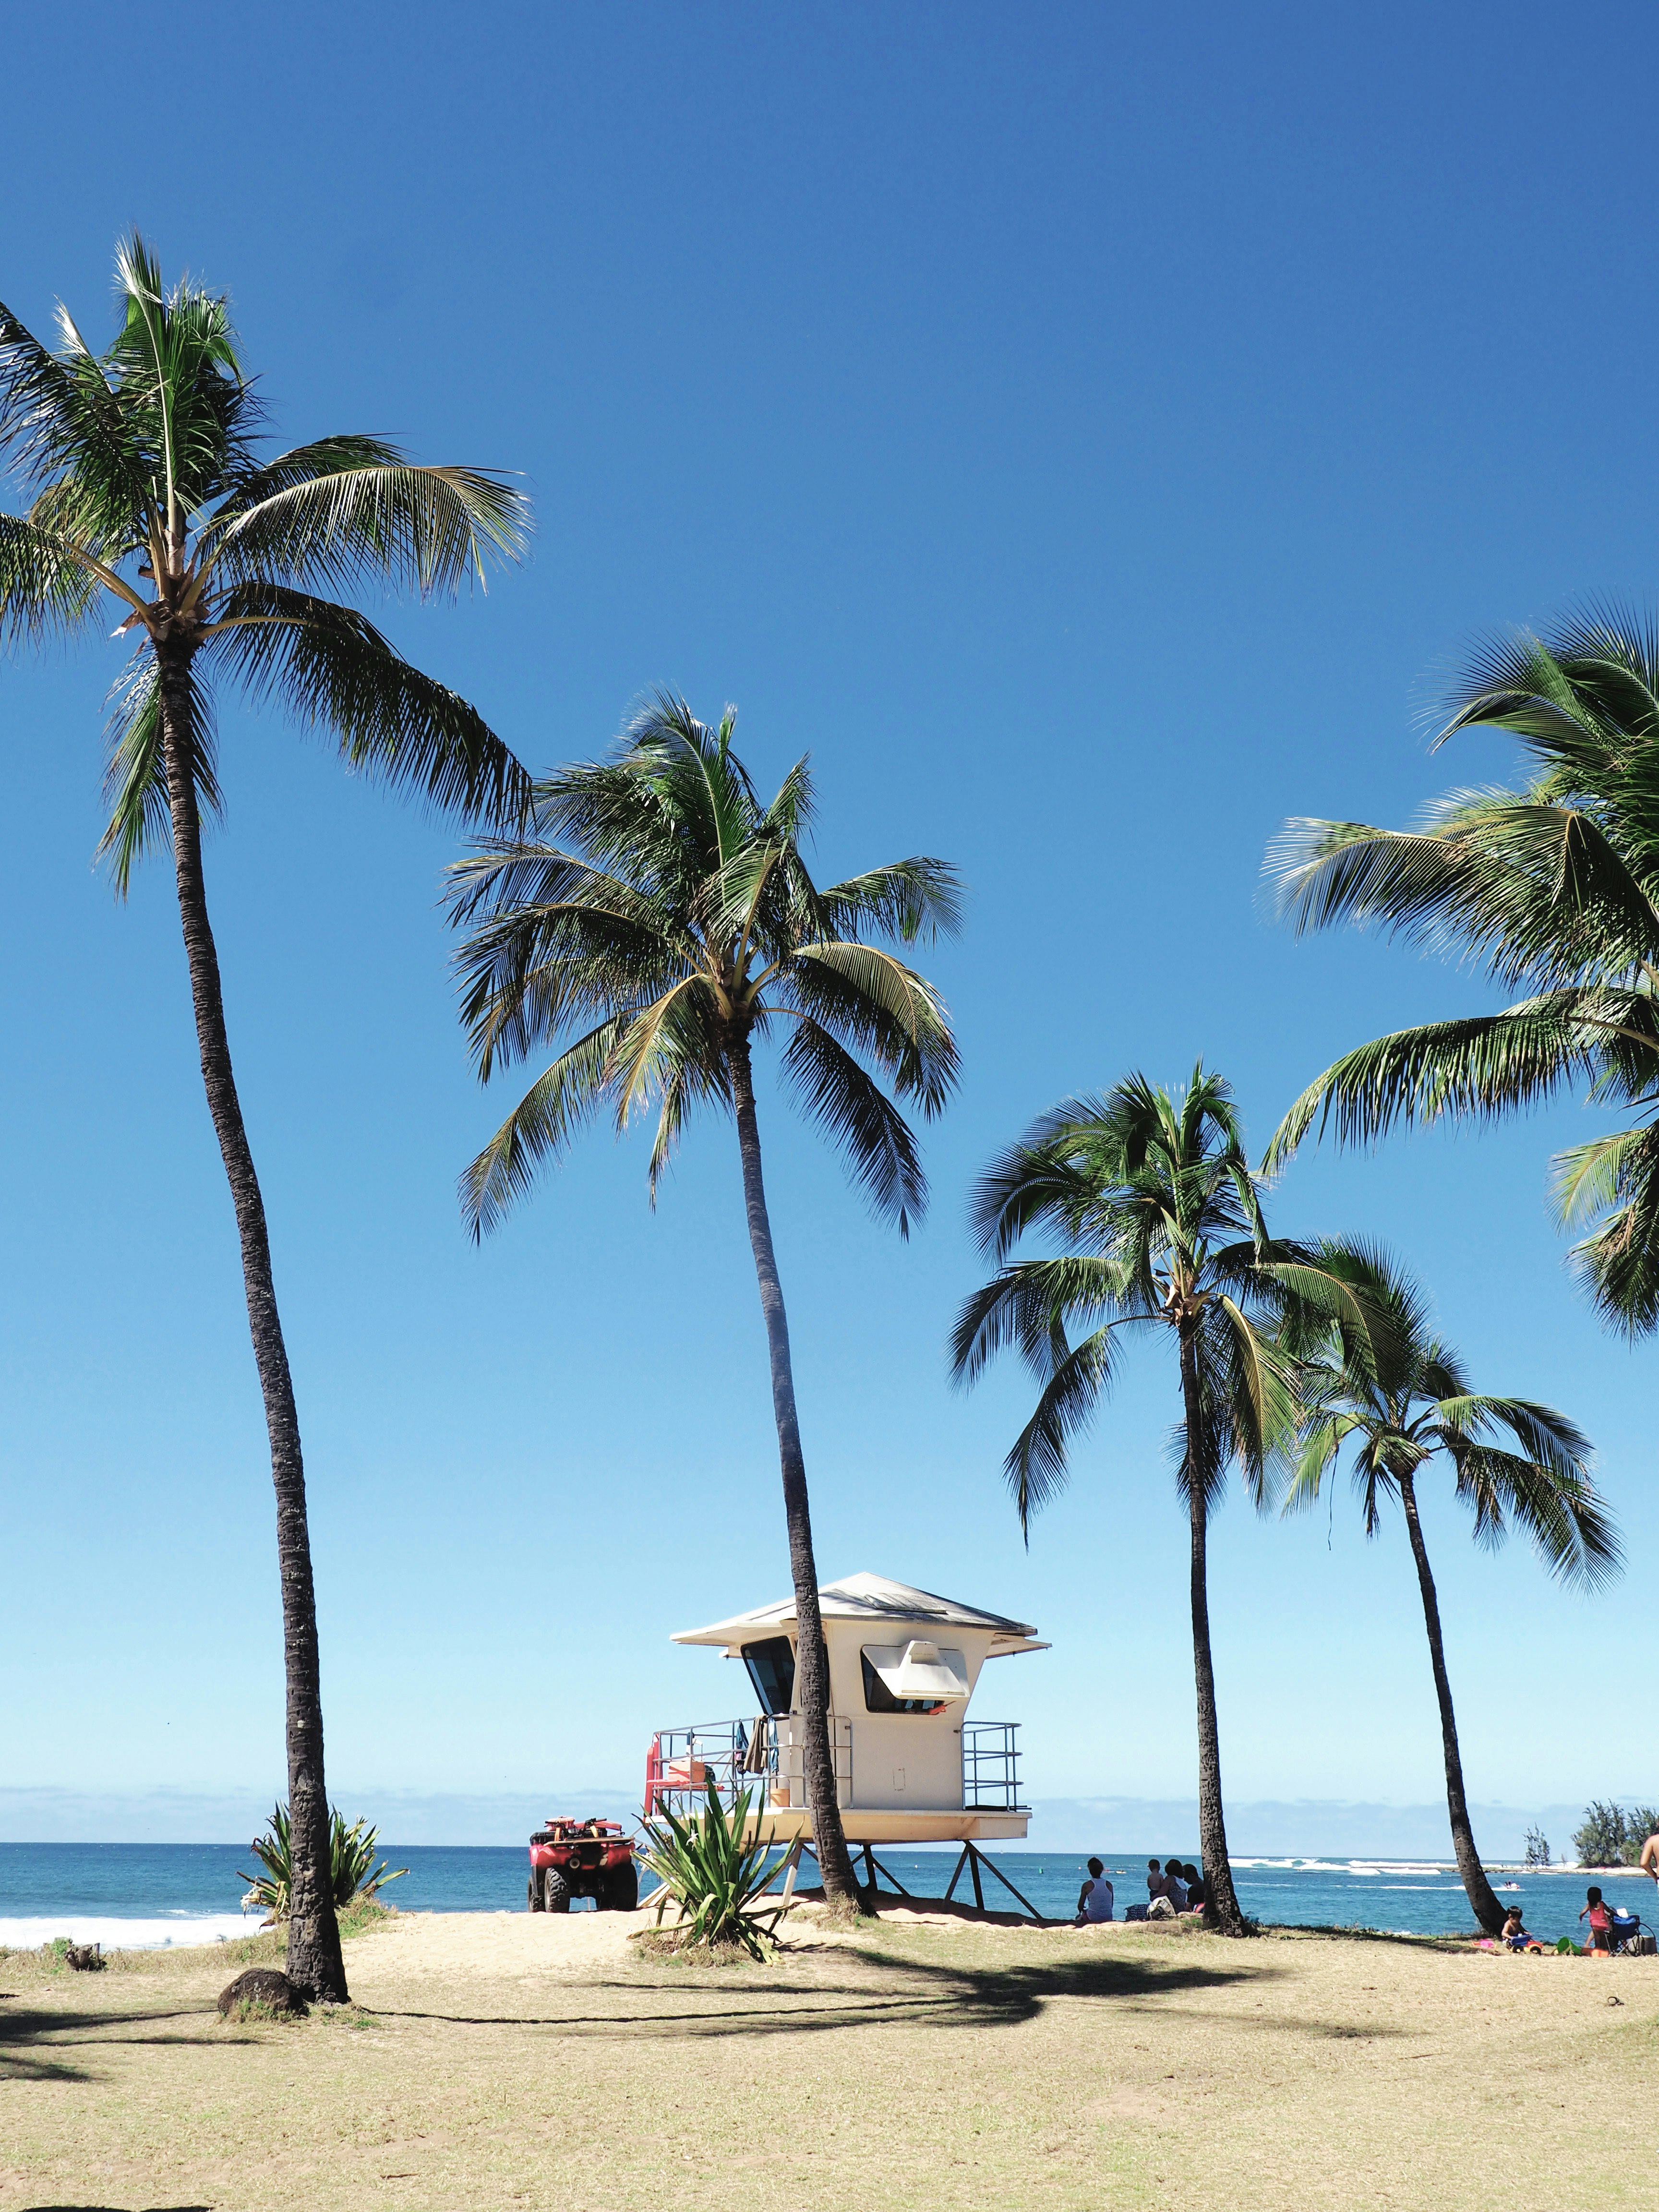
x,y
176,1930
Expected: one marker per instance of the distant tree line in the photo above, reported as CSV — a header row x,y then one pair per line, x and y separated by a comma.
x,y
1609,1836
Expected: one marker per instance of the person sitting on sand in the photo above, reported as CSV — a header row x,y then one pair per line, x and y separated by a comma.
x,y
1174,1887
1601,1923
1094,1902
1194,1882
1154,1880
1515,1933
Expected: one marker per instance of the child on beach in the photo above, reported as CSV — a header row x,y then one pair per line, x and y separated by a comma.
x,y
1515,1933
1094,1901
1600,1923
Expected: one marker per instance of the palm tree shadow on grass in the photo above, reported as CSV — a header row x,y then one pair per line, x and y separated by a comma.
x,y
23,2033
917,1995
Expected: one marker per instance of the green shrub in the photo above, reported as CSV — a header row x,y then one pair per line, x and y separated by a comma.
x,y
1600,1839
713,1875
351,1850
1611,1837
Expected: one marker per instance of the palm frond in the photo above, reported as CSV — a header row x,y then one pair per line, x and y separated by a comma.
x,y
61,422
1258,1404
873,1001
134,775
862,1121
1561,1516
322,458
1028,1306
1036,1468
47,586
1619,1262
1317,1449
427,529
906,899
326,664
177,364
538,1129
1549,1439
1481,1066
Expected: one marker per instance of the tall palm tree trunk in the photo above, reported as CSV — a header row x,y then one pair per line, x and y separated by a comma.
x,y
811,1659
1221,1906
1486,1909
314,1962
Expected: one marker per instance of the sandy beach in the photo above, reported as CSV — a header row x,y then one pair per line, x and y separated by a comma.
x,y
937,2059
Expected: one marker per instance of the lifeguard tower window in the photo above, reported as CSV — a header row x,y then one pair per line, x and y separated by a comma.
x,y
771,1670
878,1698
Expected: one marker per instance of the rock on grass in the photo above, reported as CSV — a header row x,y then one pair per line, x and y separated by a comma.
x,y
261,1993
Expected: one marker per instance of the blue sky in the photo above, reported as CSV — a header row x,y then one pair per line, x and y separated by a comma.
x,y
1086,430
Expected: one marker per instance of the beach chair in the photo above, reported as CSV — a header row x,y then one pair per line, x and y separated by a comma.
x,y
1626,1934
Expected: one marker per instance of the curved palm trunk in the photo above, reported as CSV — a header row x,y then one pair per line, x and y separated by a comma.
x,y
315,1960
1486,1909
1221,1911
811,1660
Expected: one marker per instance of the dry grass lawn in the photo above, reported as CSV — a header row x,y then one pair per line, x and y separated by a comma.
x,y
496,2060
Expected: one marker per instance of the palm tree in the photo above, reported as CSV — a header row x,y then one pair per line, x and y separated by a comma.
x,y
1153,1194
660,907
1406,1400
144,487
1554,889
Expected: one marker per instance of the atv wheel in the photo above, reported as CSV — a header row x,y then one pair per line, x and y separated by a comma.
x,y
535,1895
556,1890
622,1890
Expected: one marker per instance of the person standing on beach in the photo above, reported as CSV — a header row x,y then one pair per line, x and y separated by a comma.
x,y
1649,1860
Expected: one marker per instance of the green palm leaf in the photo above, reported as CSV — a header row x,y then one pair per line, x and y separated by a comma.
x,y
328,665
1553,888
426,529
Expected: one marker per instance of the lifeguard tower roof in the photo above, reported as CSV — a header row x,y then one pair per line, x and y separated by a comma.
x,y
875,1599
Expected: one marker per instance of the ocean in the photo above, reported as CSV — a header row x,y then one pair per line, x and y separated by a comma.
x,y
153,1894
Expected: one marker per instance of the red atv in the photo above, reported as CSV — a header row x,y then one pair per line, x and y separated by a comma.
x,y
582,1858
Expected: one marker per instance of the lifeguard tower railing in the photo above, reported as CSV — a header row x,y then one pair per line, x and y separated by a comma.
x,y
990,1766
735,1755
738,1755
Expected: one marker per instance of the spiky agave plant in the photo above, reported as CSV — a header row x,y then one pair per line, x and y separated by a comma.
x,y
713,1876
351,1861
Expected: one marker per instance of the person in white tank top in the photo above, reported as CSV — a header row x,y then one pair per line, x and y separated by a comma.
x,y
1094,1903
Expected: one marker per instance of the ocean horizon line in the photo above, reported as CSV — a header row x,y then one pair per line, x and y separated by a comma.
x,y
1263,1828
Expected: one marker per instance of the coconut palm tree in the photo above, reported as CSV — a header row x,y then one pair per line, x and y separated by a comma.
x,y
1152,1195
660,909
1554,889
1397,1405
145,487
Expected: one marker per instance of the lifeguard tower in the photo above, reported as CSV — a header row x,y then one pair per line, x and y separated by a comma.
x,y
910,1766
